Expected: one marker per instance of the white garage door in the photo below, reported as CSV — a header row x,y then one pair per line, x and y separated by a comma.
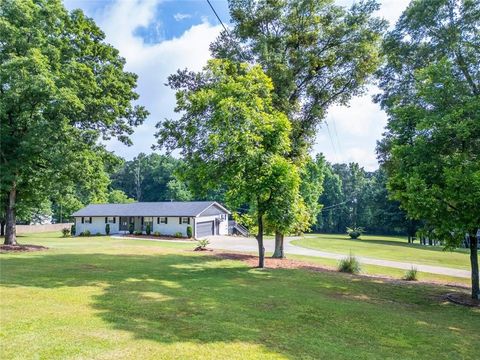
x,y
204,229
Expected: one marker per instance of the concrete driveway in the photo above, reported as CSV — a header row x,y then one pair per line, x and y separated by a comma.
x,y
237,243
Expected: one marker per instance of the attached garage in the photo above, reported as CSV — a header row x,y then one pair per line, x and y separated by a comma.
x,y
205,228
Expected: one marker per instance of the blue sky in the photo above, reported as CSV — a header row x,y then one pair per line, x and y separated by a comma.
x,y
158,37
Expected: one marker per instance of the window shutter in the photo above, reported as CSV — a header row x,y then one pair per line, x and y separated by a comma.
x,y
158,220
90,219
83,220
142,220
106,219
180,220
188,220
114,219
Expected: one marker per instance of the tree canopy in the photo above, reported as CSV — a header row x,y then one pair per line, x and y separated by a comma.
x,y
62,89
230,136
430,91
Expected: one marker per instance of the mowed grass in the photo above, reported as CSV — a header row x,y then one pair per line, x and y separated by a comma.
x,y
388,248
105,298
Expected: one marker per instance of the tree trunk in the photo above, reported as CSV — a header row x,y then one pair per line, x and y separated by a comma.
x,y
11,218
278,253
261,248
474,265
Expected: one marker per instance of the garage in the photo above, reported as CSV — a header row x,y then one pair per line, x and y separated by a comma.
x,y
204,229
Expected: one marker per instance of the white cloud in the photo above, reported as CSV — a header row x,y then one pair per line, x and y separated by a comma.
x,y
354,130
151,62
181,16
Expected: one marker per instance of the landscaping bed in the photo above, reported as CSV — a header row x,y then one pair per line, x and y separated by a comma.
x,y
161,237
21,248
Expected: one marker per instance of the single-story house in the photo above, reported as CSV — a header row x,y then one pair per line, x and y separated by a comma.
x,y
168,218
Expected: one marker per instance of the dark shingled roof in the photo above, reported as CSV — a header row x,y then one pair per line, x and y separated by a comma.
x,y
167,208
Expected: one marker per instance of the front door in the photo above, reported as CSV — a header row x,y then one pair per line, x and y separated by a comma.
x,y
124,223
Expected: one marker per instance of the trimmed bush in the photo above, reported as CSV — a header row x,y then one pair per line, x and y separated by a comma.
x,y
178,234
131,228
157,233
98,234
349,265
87,233
411,275
73,230
107,229
138,233
148,230
65,232
189,232
355,232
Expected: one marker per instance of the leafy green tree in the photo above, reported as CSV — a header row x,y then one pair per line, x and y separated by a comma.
x,y
317,54
119,197
230,136
152,177
431,93
62,88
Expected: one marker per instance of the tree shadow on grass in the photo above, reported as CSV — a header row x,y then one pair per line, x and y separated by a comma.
x,y
201,299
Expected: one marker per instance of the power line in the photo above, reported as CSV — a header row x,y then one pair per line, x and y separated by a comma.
x,y
331,141
218,17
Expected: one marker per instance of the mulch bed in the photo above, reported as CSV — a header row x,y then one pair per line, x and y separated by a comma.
x,y
21,248
462,299
270,263
162,237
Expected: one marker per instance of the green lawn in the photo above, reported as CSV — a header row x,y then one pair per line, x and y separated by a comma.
x,y
388,248
104,298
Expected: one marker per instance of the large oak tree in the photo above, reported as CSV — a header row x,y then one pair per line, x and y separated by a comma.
x,y
431,92
62,88
317,54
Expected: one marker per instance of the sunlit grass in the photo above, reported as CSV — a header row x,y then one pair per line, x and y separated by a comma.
x,y
106,298
388,248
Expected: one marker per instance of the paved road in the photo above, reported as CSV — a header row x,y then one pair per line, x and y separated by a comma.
x,y
250,244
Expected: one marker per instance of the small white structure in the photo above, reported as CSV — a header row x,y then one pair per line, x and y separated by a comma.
x,y
206,218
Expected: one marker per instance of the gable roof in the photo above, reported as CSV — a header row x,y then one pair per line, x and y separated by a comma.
x,y
166,208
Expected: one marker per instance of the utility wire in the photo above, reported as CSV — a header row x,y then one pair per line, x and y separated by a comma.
x,y
331,141
218,17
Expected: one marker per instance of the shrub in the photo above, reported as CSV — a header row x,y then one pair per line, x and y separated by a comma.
x,y
131,228
349,265
107,229
73,230
148,230
81,234
202,245
98,234
87,233
178,234
65,232
157,233
411,275
189,232
355,232
138,232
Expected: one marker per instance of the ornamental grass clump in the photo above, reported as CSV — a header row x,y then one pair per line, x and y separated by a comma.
x,y
411,275
349,265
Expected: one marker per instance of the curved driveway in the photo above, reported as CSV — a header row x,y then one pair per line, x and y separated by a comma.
x,y
250,244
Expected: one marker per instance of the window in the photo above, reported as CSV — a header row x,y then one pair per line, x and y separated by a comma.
x,y
162,220
148,220
184,220
86,220
110,220
223,217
